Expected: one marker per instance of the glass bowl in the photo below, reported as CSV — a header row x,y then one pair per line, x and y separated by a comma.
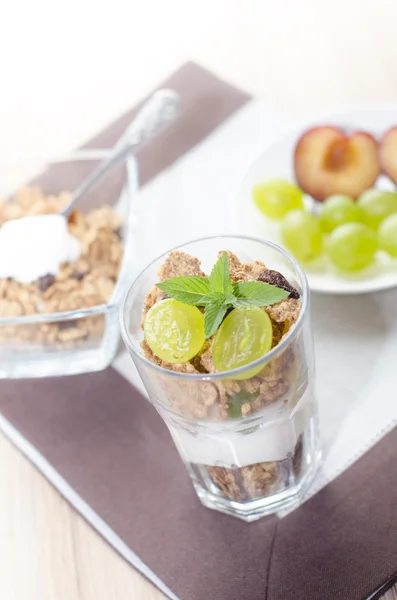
x,y
72,341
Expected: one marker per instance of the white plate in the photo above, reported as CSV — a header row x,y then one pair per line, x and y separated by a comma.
x,y
277,161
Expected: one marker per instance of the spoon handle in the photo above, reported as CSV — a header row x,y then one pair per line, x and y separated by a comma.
x,y
161,108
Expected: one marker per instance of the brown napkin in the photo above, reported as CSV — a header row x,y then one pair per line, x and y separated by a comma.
x,y
109,444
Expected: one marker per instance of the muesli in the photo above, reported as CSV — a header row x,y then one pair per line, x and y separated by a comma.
x,y
197,324
83,283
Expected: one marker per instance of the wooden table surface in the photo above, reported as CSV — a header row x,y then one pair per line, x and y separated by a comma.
x,y
300,56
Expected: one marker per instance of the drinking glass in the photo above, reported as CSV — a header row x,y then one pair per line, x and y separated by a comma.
x,y
248,437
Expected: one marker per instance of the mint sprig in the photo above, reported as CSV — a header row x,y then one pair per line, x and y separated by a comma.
x,y
217,293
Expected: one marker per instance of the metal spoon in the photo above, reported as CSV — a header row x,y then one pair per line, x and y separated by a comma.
x,y
161,108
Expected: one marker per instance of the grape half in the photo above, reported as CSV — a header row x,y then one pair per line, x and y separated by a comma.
x,y
337,210
174,330
301,234
377,205
352,246
277,197
244,336
388,235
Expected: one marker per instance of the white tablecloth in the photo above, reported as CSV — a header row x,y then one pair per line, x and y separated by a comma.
x,y
355,337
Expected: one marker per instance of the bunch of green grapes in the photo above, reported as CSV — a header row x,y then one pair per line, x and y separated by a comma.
x,y
348,232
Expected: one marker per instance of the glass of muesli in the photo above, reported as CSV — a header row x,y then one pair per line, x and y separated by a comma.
x,y
248,434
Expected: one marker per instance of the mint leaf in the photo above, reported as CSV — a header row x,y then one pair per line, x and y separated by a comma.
x,y
242,303
229,298
214,298
213,317
220,276
249,429
257,293
189,290
237,400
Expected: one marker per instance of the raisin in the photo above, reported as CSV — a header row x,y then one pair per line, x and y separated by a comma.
x,y
78,275
46,281
275,278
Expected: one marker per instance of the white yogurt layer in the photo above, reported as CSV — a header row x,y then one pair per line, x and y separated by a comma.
x,y
273,440
32,247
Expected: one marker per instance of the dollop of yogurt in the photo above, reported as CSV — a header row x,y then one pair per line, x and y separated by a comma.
x,y
34,246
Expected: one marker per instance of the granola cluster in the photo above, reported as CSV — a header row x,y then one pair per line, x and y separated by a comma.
x,y
29,201
245,483
87,282
211,400
255,481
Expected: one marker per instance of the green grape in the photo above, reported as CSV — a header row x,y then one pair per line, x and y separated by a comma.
x,y
339,209
301,234
377,205
244,336
388,235
174,330
277,197
352,246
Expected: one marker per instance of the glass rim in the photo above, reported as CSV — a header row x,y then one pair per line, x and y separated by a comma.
x,y
231,373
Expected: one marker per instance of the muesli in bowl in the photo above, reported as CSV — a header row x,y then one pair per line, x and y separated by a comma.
x,y
61,278
225,353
